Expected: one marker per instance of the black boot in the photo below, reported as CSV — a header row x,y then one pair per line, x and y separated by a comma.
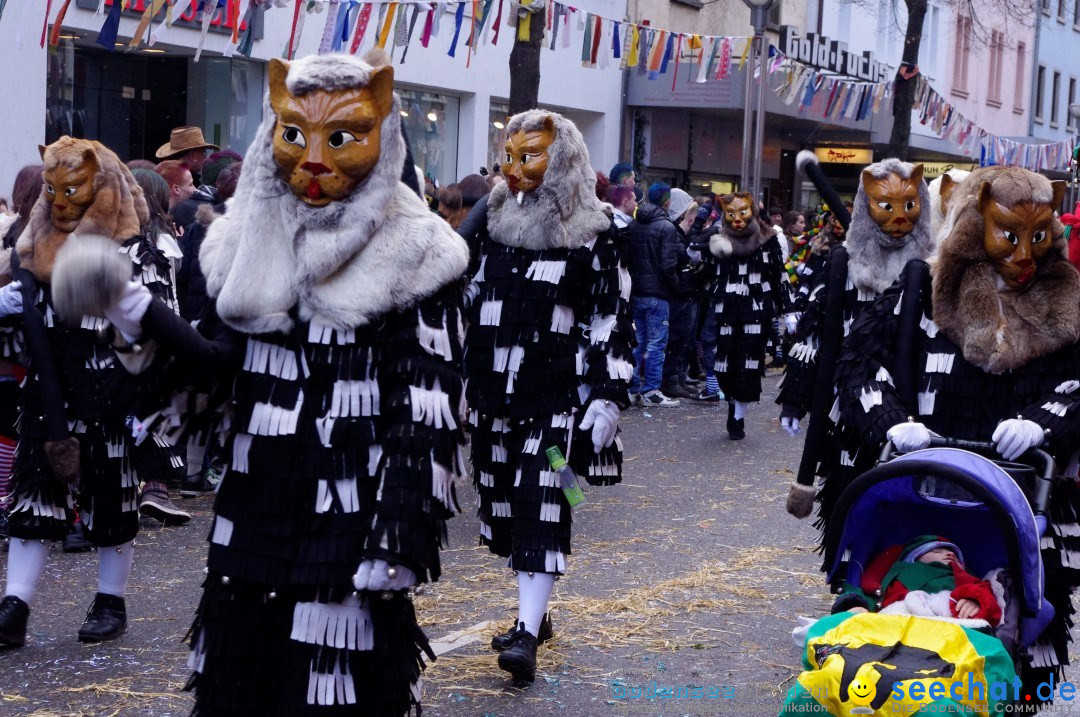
x,y
13,616
105,620
519,657
502,641
736,428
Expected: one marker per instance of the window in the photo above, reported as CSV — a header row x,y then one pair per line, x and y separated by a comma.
x,y
431,122
997,52
1076,15
1018,92
1054,99
1045,7
1061,11
1071,121
961,55
1040,90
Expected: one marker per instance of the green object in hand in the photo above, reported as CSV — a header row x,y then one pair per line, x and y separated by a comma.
x,y
571,488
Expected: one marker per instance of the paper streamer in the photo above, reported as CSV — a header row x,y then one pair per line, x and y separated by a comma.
x,y
173,12
459,16
362,21
54,35
330,29
209,9
152,9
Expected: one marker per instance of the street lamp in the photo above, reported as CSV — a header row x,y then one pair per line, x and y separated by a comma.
x,y
758,15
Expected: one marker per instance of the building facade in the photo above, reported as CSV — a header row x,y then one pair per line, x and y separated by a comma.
x,y
131,98
1056,71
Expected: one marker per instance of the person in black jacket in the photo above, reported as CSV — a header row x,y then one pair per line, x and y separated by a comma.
x,y
654,249
190,282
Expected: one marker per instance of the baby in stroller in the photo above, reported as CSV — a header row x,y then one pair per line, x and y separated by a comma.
x,y
924,577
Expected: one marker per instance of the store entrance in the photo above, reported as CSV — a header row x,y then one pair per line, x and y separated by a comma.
x,y
127,102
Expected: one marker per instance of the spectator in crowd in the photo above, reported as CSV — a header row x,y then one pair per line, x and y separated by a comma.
x,y
654,250
602,185
776,216
184,212
187,146
141,164
178,177
473,187
622,173
450,207
625,204
683,311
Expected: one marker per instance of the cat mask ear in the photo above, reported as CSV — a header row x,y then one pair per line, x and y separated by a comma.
x,y
278,70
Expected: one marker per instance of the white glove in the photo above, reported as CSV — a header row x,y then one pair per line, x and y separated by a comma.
x,y
375,575
791,322
909,436
791,425
127,313
1015,435
11,299
603,418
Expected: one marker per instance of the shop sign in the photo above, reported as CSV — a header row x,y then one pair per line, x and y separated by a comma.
x,y
831,55
844,155
189,18
933,170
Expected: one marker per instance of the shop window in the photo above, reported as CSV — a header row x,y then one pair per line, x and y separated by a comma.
x,y
431,124
498,114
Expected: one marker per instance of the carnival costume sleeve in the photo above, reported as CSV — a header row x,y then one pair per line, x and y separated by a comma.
x,y
607,358
422,404
869,402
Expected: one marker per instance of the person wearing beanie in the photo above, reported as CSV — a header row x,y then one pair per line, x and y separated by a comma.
x,y
925,576
682,309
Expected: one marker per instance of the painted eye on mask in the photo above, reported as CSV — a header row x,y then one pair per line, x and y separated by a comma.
x,y
70,192
49,189
340,138
1038,237
293,135
909,206
885,205
1012,238
526,157
509,159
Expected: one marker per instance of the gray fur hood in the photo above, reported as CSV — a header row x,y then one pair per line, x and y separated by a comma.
x,y
345,264
564,211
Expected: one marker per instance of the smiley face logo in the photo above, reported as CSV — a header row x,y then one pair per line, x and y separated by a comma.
x,y
863,689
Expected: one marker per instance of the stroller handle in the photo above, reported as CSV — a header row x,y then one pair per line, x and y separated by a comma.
x,y
1039,459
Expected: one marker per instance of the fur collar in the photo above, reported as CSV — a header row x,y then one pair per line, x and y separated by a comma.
x,y
345,264
874,266
542,221
725,242
1002,330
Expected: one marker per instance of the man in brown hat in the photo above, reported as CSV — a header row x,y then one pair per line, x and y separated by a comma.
x,y
187,145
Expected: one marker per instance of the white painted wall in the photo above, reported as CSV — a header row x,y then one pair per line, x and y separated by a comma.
x,y
22,121
1059,50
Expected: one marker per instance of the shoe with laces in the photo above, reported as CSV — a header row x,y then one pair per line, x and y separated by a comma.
x,y
105,620
155,504
656,398
502,641
519,657
14,613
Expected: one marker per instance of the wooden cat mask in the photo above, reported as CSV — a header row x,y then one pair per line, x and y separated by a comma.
x,y
738,210
1016,237
895,205
326,142
526,158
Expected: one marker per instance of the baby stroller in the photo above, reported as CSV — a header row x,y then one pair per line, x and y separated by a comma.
x,y
996,513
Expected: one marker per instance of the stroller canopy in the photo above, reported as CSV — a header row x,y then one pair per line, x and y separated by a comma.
x,y
943,491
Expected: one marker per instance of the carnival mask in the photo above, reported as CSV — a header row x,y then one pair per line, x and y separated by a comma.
x,y
69,184
894,201
526,158
738,210
327,142
1017,237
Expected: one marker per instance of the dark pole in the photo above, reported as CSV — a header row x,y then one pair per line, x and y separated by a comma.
x,y
525,67
904,99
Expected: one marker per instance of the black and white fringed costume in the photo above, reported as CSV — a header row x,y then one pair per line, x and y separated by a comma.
x,y
549,332
340,331
747,290
101,397
874,260
982,355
